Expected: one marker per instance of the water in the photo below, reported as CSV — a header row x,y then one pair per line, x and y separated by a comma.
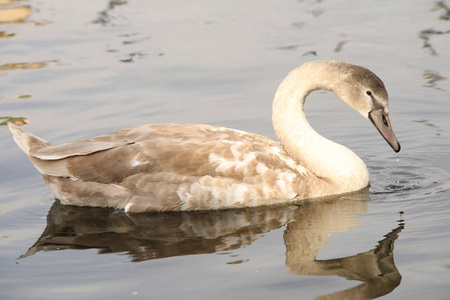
x,y
79,69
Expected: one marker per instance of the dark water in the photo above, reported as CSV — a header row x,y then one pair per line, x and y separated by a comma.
x,y
83,68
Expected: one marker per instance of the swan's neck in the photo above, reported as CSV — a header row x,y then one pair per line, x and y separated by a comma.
x,y
328,160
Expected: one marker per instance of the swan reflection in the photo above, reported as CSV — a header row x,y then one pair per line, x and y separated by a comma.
x,y
160,235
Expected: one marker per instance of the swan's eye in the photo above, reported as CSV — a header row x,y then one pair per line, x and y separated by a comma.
x,y
369,93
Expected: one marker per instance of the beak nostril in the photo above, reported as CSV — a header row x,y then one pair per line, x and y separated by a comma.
x,y
385,121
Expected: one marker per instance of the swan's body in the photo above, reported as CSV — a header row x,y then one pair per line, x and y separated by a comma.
x,y
190,166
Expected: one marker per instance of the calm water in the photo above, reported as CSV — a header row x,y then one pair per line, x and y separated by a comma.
x,y
77,69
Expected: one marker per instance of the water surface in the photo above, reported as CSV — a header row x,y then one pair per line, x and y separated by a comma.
x,y
84,68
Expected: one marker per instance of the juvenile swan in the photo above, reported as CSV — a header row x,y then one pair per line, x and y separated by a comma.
x,y
165,167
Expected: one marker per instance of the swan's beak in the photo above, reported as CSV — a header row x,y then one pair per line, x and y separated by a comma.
x,y
381,121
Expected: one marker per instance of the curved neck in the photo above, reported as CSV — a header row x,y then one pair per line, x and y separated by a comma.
x,y
326,159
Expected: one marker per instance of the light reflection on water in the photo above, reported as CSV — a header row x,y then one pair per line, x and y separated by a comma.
x,y
84,68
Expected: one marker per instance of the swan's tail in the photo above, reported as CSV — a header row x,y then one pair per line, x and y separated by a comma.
x,y
26,140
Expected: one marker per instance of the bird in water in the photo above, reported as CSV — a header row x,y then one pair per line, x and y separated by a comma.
x,y
182,167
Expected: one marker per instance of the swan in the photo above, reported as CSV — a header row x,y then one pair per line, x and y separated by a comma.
x,y
177,167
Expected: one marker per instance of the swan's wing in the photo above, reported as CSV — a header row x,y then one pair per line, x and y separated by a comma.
x,y
186,150
83,147
74,149
172,167
166,151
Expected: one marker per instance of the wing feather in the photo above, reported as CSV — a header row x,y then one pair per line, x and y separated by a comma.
x,y
74,149
189,150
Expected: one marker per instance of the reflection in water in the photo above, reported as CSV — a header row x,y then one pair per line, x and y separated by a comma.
x,y
340,45
132,56
16,120
6,35
14,14
289,47
132,39
160,235
26,66
107,16
432,79
440,5
375,268
298,24
426,122
310,53
148,236
426,35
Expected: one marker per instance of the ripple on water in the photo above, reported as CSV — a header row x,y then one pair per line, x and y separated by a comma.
x,y
409,175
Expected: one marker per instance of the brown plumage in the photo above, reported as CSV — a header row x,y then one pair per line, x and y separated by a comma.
x,y
199,167
169,167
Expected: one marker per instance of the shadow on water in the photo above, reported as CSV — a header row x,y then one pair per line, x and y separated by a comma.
x,y
162,235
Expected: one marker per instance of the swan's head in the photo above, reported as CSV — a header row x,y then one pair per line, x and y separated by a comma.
x,y
366,93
